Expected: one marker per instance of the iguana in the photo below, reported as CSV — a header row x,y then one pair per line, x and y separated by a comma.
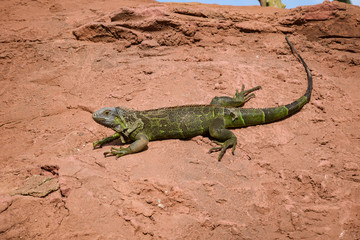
x,y
184,122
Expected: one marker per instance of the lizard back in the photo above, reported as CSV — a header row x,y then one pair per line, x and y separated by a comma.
x,y
181,122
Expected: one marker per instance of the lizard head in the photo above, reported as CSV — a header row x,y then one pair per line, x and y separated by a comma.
x,y
111,118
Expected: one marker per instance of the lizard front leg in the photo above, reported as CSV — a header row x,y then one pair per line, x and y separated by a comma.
x,y
106,140
140,143
224,137
239,99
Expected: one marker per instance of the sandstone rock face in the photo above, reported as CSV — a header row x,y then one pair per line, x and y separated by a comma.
x,y
294,179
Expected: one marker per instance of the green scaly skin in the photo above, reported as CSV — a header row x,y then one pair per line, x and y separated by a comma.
x,y
184,122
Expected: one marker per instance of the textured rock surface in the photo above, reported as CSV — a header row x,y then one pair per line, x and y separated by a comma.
x,y
37,186
295,179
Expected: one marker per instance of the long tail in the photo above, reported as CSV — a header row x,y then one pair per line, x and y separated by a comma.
x,y
294,106
251,116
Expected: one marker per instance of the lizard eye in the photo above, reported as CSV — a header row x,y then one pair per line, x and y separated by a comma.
x,y
107,112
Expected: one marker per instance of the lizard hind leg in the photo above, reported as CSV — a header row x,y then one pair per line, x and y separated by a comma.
x,y
224,137
239,99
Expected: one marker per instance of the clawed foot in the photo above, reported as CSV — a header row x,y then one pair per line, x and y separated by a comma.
x,y
244,94
239,99
118,152
223,146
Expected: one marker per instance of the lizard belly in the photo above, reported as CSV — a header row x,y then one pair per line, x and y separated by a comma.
x,y
168,132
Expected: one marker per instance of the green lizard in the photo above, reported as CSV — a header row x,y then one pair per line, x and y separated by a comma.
x,y
184,122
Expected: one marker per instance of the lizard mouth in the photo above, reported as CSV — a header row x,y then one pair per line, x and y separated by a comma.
x,y
97,118
103,121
